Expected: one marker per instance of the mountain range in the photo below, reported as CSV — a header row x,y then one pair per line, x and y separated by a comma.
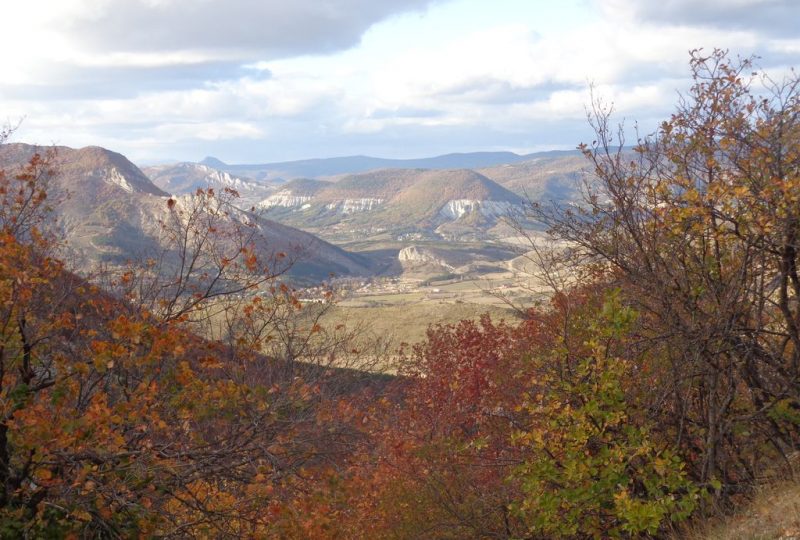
x,y
448,208
109,212
450,197
322,167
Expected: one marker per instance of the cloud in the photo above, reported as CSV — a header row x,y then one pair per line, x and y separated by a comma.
x,y
405,112
243,28
774,17
208,131
80,83
481,76
144,44
268,80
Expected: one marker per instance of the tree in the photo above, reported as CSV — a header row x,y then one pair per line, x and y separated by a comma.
x,y
698,227
594,466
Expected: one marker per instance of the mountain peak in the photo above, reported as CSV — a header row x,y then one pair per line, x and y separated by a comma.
x,y
211,161
456,184
86,168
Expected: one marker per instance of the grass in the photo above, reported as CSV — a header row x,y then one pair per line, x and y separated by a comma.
x,y
773,514
463,286
409,322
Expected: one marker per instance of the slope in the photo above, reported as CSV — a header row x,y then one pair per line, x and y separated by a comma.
x,y
395,202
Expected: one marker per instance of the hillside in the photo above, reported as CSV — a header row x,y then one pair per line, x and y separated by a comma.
x,y
94,171
395,203
109,212
541,178
296,193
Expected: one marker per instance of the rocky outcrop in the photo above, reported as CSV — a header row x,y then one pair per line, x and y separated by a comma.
x,y
113,176
285,199
353,206
222,178
454,209
187,178
417,256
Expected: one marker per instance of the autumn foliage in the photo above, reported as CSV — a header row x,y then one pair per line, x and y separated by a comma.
x,y
500,431
698,227
117,419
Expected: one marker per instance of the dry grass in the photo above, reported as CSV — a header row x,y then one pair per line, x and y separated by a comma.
x,y
773,514
409,322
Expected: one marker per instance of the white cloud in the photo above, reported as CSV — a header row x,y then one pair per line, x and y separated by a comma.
x,y
208,131
774,17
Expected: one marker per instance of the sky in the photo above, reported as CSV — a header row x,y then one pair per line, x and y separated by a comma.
x,y
252,81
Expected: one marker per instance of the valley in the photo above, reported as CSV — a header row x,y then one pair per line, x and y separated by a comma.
x,y
402,308
437,241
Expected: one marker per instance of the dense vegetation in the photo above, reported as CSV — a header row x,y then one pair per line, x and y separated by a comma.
x,y
658,383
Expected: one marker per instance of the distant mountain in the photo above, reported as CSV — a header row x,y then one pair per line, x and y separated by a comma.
x,y
187,178
110,212
396,204
213,162
318,168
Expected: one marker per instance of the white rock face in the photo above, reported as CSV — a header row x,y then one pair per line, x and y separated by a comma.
x,y
224,178
456,208
285,199
415,255
115,177
353,206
